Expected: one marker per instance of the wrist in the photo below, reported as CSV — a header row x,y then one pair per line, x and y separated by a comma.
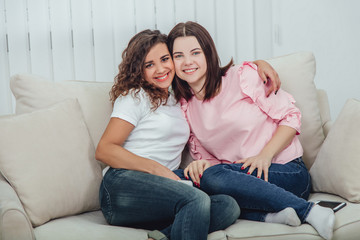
x,y
267,154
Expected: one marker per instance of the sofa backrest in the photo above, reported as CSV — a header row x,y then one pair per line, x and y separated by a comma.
x,y
296,72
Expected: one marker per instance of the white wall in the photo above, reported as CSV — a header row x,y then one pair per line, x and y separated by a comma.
x,y
83,39
331,30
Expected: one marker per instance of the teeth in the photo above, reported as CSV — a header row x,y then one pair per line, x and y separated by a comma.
x,y
190,70
163,77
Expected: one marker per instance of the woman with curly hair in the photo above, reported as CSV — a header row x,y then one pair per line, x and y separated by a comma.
x,y
142,147
142,144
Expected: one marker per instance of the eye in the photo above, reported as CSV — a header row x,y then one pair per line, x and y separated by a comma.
x,y
178,56
196,53
164,59
149,65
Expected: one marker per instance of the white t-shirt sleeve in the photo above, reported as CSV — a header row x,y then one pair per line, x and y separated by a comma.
x,y
129,108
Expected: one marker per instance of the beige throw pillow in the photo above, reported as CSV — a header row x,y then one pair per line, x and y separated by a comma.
x,y
297,72
337,166
33,92
48,158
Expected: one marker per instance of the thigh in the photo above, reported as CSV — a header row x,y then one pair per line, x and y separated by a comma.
x,y
137,199
292,176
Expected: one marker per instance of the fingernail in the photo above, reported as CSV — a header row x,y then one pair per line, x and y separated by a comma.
x,y
276,92
248,173
186,178
200,175
264,82
242,168
258,177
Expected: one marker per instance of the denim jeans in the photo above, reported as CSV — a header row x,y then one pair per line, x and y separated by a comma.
x,y
288,186
141,200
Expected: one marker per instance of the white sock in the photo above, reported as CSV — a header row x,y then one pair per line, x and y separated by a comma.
x,y
323,220
286,216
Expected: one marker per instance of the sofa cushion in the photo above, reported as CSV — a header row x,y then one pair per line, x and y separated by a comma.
x,y
296,72
336,169
48,158
92,226
347,225
33,92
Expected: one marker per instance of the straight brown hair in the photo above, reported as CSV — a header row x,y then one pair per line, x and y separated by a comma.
x,y
214,70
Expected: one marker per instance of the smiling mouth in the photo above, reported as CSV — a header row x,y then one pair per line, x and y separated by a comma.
x,y
190,70
162,78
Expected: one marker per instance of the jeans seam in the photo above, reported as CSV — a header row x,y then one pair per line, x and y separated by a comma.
x,y
307,187
108,202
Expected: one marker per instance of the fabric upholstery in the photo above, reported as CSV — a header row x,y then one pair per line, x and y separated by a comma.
x,y
336,169
297,72
33,92
48,158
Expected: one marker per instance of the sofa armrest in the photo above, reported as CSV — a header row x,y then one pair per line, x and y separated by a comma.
x,y
324,110
14,223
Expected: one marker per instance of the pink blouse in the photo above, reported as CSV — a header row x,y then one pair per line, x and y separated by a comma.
x,y
240,120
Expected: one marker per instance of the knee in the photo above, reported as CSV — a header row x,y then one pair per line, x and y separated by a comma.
x,y
224,212
199,201
228,206
212,179
202,199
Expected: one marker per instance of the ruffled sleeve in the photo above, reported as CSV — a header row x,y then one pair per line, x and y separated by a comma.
x,y
280,107
197,151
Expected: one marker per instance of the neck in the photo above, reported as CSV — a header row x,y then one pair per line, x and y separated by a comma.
x,y
198,90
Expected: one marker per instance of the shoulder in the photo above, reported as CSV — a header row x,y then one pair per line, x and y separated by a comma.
x,y
134,99
238,70
243,73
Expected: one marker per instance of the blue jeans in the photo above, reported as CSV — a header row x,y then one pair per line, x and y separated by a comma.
x,y
141,200
288,186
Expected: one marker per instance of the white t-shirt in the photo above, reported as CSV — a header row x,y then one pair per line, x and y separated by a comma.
x,y
159,135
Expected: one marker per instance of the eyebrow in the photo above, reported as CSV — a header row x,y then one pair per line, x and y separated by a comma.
x,y
195,49
151,61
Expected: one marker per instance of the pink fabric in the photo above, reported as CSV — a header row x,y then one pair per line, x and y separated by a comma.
x,y
240,120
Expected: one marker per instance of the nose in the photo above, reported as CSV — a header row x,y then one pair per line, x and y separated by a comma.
x,y
187,60
160,68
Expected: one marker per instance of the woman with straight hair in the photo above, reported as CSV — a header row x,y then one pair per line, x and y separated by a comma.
x,y
244,143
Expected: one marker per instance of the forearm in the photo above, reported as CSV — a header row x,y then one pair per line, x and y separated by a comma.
x,y
118,157
279,141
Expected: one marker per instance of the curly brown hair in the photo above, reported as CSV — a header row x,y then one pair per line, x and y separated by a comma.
x,y
131,69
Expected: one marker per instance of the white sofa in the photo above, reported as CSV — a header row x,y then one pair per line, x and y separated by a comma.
x,y
50,178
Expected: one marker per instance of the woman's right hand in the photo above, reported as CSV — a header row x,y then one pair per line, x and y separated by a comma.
x,y
195,169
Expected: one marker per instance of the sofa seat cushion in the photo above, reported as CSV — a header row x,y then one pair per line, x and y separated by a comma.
x,y
347,221
89,226
347,224
92,226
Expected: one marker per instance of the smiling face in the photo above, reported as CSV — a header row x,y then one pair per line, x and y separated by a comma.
x,y
159,67
190,62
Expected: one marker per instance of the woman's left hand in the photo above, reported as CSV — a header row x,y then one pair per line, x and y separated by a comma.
x,y
195,169
266,73
259,162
